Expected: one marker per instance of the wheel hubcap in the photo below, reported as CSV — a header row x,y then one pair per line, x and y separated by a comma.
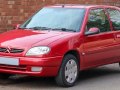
x,y
71,71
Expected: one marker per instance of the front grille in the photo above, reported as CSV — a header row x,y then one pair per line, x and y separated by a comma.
x,y
16,50
10,50
3,49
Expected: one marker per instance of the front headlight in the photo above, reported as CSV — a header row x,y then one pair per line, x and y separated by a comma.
x,y
38,51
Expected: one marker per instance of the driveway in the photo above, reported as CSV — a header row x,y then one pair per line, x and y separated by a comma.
x,y
101,78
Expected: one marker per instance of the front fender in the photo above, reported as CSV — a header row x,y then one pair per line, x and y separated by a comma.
x,y
63,45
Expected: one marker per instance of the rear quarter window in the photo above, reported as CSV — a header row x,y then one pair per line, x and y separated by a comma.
x,y
114,15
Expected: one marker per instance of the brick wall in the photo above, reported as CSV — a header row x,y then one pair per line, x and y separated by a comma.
x,y
16,11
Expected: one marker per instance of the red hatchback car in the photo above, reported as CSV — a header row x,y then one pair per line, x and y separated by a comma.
x,y
62,40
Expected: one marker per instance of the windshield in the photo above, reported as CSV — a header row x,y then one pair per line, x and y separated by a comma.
x,y
65,19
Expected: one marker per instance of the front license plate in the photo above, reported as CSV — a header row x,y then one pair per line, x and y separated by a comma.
x,y
9,61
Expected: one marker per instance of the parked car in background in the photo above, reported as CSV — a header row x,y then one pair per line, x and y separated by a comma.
x,y
62,40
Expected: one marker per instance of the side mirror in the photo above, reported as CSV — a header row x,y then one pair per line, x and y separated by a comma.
x,y
16,26
92,31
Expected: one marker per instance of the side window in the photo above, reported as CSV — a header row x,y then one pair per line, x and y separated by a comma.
x,y
115,18
98,18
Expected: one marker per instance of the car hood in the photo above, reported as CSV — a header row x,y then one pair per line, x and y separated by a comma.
x,y
29,38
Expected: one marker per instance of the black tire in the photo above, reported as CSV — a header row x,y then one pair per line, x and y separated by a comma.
x,y
60,78
4,76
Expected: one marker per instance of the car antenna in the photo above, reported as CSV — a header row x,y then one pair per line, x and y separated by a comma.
x,y
64,4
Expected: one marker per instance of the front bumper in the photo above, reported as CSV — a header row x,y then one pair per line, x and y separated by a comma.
x,y
50,66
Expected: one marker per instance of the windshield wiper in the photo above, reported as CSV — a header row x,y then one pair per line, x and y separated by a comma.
x,y
46,28
64,29
37,28
40,28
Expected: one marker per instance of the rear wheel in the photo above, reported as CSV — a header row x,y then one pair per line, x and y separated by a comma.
x,y
4,76
68,72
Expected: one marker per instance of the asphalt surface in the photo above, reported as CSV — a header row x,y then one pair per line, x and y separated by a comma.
x,y
101,78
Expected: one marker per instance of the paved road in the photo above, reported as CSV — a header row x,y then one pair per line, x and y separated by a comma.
x,y
102,78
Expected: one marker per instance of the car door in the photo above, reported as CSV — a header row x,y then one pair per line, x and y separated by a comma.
x,y
98,48
114,15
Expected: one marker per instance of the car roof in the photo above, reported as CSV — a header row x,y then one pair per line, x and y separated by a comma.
x,y
81,6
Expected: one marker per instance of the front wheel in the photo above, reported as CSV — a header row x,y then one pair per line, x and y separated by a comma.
x,y
68,72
